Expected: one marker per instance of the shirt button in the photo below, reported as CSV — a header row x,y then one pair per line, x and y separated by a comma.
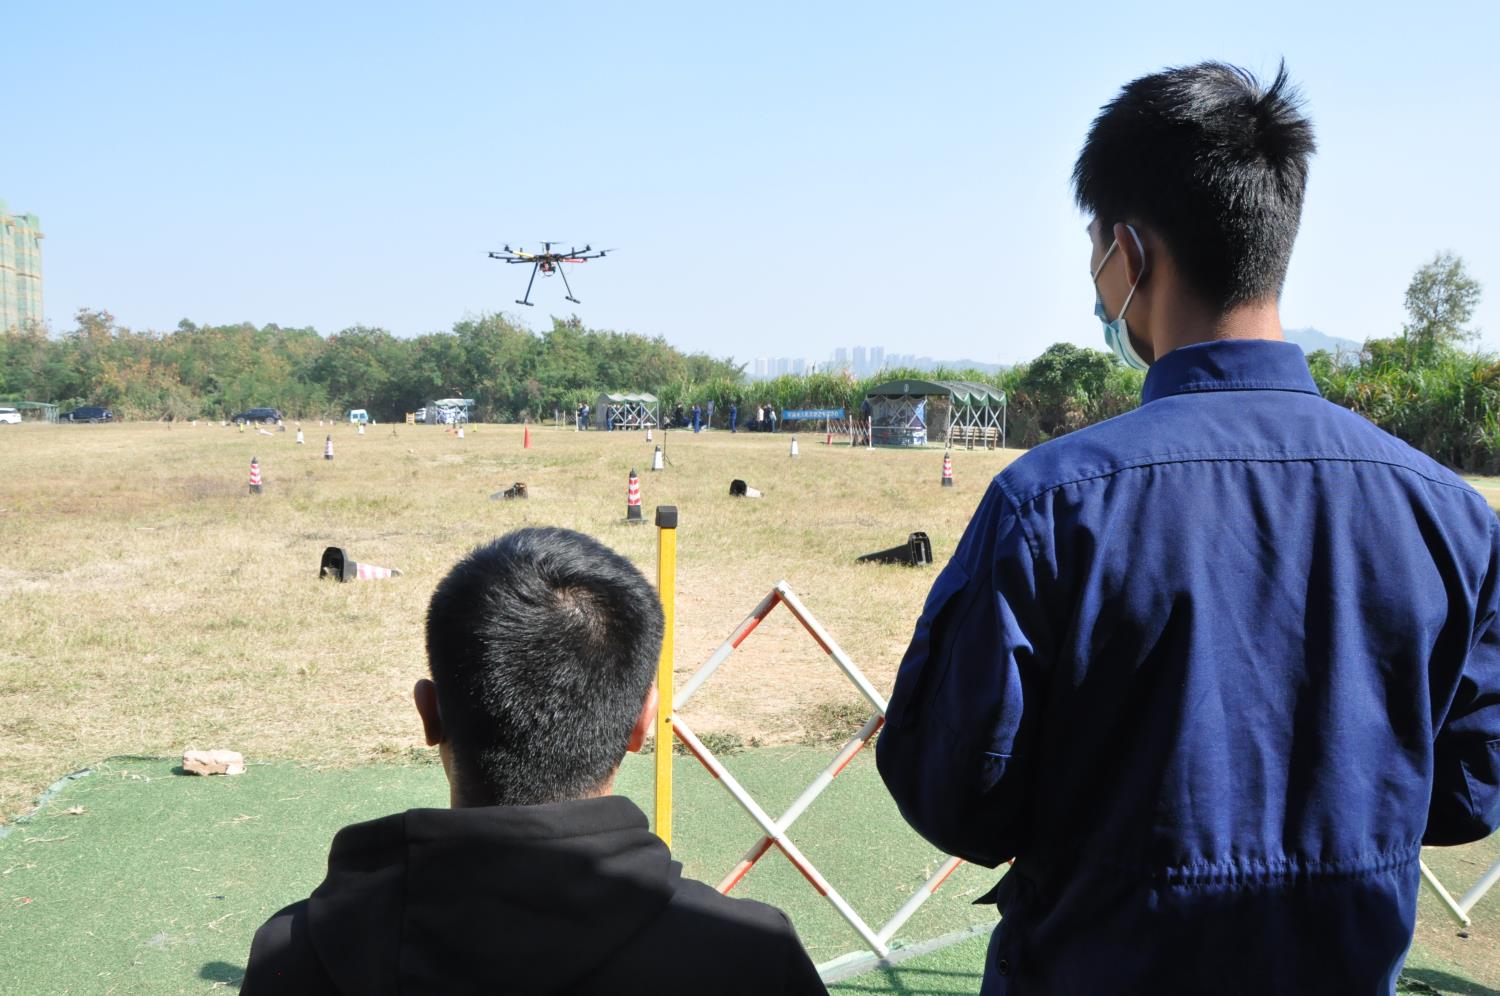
x,y
1002,966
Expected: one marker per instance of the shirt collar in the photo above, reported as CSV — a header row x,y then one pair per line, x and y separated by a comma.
x,y
1229,365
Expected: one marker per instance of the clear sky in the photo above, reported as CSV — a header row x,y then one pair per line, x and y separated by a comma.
x,y
779,178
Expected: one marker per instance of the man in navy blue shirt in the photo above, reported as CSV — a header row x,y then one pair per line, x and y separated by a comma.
x,y
1212,671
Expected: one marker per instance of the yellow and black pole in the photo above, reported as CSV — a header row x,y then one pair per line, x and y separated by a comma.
x,y
666,586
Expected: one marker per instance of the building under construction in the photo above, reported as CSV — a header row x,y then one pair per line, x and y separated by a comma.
x,y
20,269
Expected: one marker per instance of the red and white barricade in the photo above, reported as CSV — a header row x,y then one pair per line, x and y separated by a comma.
x,y
775,831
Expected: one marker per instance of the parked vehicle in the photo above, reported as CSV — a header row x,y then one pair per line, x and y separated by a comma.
x,y
88,413
420,416
10,416
358,416
267,416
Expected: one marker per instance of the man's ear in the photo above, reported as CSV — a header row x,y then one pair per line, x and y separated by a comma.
x,y
643,723
424,694
1137,265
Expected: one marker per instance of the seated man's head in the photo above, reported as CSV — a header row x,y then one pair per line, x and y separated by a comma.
x,y
542,646
1193,179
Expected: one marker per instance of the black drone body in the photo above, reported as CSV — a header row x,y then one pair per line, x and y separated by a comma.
x,y
547,263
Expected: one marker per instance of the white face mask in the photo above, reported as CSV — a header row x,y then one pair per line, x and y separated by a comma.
x,y
1116,333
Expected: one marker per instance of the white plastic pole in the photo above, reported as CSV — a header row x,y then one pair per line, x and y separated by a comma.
x,y
910,907
830,647
1459,913
1485,883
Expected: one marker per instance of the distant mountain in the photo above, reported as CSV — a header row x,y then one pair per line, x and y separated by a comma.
x,y
1311,340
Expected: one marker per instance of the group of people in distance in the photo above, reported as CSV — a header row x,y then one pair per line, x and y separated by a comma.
x,y
1209,673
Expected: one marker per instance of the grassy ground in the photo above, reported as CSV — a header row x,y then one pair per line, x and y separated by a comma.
x,y
149,604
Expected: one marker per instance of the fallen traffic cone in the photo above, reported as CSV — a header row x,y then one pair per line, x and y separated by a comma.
x,y
300,440
916,551
264,432
947,471
656,461
517,490
633,500
328,448
739,489
526,437
254,476
336,564
794,446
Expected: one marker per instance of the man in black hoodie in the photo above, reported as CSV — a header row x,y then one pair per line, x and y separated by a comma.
x,y
542,647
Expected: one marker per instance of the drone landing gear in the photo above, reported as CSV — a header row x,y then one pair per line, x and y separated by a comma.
x,y
526,298
569,295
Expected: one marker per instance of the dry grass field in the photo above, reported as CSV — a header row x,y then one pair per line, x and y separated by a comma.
x,y
149,603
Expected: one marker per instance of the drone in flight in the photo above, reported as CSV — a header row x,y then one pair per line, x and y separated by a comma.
x,y
547,263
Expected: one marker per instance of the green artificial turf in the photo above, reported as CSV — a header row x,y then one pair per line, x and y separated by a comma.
x,y
136,879
159,883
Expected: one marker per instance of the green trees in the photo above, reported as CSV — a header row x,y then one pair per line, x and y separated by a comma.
x,y
216,370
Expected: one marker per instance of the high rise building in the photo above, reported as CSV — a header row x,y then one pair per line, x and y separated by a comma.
x,y
20,269
783,365
877,359
860,360
841,358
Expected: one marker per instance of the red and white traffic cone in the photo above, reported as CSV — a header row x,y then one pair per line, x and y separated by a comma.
x,y
793,452
340,566
633,499
254,476
328,448
299,436
460,432
947,471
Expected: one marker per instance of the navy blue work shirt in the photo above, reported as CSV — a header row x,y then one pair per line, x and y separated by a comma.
x,y
1211,672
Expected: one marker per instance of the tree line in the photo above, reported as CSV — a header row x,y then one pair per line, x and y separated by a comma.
x,y
1425,384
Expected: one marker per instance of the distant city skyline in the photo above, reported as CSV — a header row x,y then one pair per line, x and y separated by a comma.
x,y
861,361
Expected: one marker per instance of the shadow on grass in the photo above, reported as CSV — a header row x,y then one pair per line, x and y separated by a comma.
x,y
223,971
912,982
1430,980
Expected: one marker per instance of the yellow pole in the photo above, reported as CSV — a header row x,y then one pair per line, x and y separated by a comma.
x,y
666,586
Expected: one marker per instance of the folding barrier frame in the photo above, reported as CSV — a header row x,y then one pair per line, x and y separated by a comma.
x,y
1460,907
774,831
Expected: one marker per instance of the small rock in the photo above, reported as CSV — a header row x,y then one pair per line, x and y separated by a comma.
x,y
213,762
74,811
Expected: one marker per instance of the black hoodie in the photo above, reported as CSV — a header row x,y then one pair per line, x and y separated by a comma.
x,y
572,897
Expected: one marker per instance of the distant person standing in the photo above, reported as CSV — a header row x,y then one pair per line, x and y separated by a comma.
x,y
771,414
734,416
697,418
1214,670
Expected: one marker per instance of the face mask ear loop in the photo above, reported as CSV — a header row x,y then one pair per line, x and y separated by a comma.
x,y
1142,250
1107,253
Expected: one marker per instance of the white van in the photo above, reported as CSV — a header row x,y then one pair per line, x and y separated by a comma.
x,y
358,416
10,416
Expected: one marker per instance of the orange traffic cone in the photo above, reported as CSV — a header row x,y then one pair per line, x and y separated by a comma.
x,y
526,437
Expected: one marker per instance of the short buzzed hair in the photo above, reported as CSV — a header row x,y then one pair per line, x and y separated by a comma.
x,y
1215,164
543,645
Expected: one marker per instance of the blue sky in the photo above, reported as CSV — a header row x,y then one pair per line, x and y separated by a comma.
x,y
779,178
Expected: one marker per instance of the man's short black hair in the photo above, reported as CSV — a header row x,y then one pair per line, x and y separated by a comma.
x,y
542,644
1214,164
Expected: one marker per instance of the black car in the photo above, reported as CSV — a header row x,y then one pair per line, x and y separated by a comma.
x,y
88,413
267,415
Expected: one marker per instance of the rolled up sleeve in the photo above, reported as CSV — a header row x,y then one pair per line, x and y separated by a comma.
x,y
955,750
